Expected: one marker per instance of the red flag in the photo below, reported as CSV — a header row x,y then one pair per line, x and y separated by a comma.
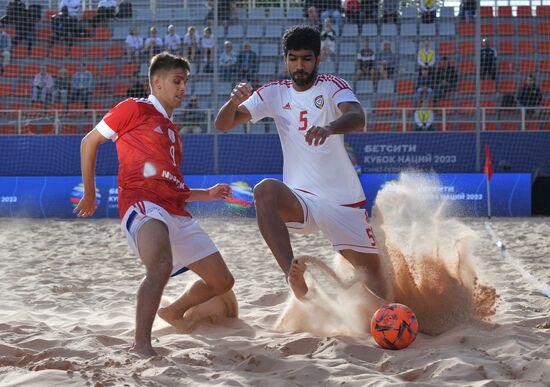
x,y
488,168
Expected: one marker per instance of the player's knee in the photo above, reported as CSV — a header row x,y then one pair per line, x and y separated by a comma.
x,y
161,268
223,284
264,192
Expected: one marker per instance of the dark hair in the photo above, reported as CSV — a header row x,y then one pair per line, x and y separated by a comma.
x,y
166,61
302,38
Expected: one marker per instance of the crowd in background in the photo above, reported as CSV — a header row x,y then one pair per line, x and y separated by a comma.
x,y
436,78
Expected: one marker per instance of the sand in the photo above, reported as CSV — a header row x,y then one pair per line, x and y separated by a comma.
x,y
67,310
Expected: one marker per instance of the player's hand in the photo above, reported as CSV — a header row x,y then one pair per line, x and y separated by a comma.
x,y
317,135
219,192
86,207
240,93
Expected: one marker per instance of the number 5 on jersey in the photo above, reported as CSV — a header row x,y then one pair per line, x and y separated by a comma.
x,y
303,120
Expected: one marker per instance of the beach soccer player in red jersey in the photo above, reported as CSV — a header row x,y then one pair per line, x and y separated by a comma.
x,y
320,188
152,199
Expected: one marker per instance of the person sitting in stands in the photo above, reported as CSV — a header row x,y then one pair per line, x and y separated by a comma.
x,y
153,44
365,62
193,119
190,44
387,62
172,41
424,117
82,84
426,55
445,78
42,85
61,85
228,60
530,96
428,9
134,45
136,90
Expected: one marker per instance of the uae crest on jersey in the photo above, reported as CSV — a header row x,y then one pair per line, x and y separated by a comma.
x,y
319,102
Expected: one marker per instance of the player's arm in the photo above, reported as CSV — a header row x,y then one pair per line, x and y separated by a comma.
x,y
233,113
351,120
88,156
217,192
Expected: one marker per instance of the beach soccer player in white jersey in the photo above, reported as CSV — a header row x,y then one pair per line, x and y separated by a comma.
x,y
152,198
320,188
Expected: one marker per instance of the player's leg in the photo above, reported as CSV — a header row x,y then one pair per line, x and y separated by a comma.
x,y
276,205
154,248
350,233
215,280
369,265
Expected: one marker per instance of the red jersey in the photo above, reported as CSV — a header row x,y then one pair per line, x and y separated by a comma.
x,y
149,155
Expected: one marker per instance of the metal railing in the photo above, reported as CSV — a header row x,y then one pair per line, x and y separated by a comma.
x,y
393,119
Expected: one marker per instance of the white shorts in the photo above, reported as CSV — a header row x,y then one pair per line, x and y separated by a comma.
x,y
188,240
347,228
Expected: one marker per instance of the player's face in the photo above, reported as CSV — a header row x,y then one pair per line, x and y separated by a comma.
x,y
172,84
302,66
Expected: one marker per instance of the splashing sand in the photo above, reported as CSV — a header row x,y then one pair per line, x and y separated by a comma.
x,y
428,260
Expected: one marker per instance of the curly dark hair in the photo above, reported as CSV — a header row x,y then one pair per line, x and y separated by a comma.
x,y
302,37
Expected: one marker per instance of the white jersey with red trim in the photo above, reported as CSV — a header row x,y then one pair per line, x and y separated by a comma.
x,y
323,170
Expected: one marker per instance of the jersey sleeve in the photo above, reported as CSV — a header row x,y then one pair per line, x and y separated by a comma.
x,y
341,91
119,120
258,104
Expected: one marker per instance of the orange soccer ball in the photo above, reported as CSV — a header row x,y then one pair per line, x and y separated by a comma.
x,y
394,326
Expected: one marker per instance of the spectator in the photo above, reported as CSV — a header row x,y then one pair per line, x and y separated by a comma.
x,y
370,8
190,44
328,40
228,60
387,61
428,10
445,79
73,7
353,11
194,119
332,9
42,85
153,44
311,3
467,10
63,26
172,41
134,45
424,84
18,16
136,90
488,60
424,117
530,96
106,9
247,63
234,17
225,9
426,55
207,45
82,84
390,11
5,48
365,62
61,86
313,18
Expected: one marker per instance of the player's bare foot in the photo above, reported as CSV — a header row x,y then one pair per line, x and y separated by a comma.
x,y
296,278
143,350
175,319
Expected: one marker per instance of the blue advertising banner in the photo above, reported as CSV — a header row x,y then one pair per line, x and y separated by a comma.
x,y
438,152
56,196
